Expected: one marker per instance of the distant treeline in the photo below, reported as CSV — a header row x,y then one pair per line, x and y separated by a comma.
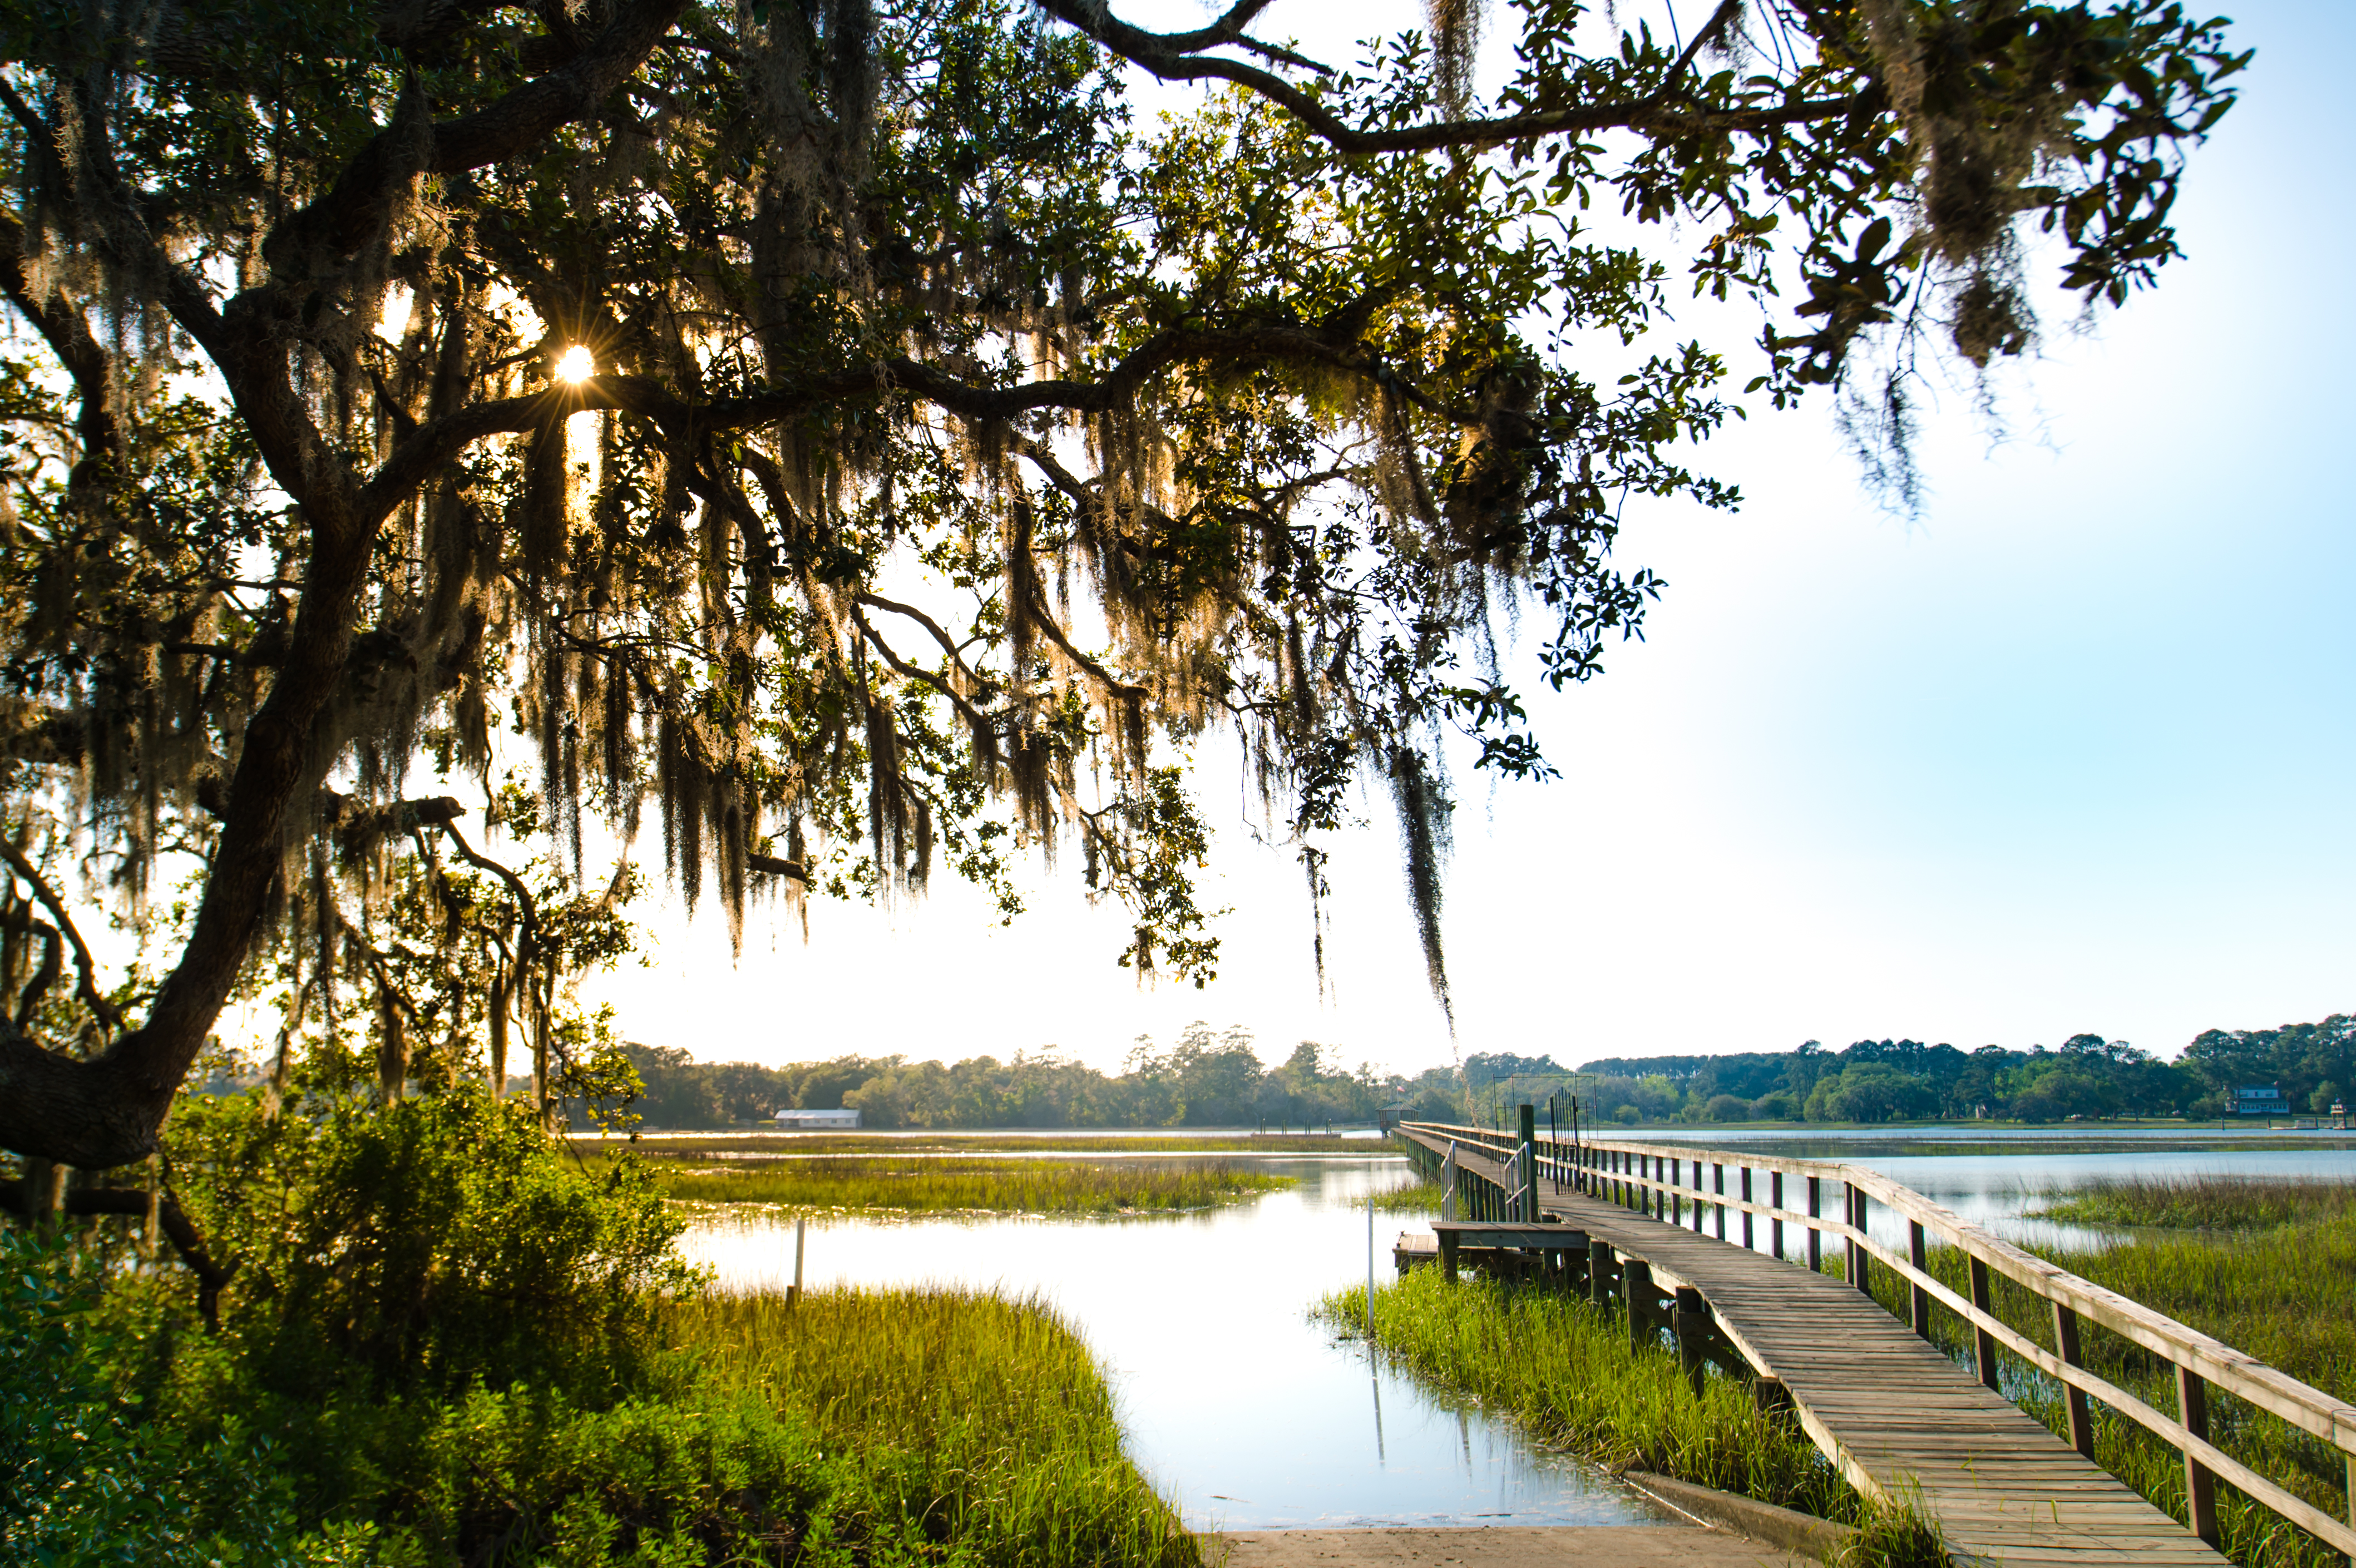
x,y
1898,1079
1206,1079
1210,1079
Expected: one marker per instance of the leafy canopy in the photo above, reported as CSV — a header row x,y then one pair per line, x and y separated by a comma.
x,y
846,429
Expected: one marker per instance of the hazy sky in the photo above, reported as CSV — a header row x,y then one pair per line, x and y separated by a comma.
x,y
2071,752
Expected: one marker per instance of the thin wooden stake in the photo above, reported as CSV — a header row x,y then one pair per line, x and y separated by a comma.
x,y
795,1295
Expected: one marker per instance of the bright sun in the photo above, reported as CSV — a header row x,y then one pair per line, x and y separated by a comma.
x,y
577,364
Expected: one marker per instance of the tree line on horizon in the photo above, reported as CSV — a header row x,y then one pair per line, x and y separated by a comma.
x,y
1217,1079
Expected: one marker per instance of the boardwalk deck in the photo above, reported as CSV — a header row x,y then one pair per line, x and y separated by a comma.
x,y
1894,1414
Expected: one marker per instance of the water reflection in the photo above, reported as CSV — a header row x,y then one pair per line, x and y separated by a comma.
x,y
1251,1417
1245,1412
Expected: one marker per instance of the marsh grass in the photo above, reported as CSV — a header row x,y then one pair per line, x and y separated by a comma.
x,y
995,1186
974,1422
2280,1294
1423,1197
1568,1373
2204,1202
662,1145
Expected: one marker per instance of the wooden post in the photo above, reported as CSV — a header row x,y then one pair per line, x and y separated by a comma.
x,y
1599,1272
1636,1289
795,1295
1861,1266
1775,1201
2065,1345
1448,1257
1525,1201
1718,1180
1918,1255
1689,1322
2200,1486
1746,1213
1677,1198
1982,1342
1815,1237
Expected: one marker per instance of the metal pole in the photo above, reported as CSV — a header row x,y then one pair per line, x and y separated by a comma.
x,y
1370,1273
796,1294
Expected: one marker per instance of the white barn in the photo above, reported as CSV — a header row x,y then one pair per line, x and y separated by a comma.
x,y
813,1121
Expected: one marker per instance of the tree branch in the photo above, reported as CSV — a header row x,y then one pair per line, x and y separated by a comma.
x,y
1172,58
340,220
108,1014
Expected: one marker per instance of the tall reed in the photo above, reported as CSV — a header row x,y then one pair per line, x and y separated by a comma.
x,y
997,1185
2205,1202
1081,1140
983,1429
1569,1374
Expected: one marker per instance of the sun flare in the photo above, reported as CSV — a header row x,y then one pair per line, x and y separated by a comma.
x,y
577,364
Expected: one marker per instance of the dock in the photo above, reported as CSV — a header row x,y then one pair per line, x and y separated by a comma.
x,y
1898,1417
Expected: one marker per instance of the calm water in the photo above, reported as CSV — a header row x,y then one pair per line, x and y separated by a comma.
x,y
1251,1417
1244,1412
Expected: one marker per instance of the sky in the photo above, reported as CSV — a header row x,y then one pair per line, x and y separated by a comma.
x,y
2068,751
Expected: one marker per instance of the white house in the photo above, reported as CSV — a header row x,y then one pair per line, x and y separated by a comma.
x,y
813,1121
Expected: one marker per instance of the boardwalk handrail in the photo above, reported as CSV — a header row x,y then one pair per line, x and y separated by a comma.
x,y
1645,1176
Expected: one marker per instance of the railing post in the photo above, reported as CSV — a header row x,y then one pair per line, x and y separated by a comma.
x,y
1982,1342
1717,1182
1676,1206
2065,1345
1746,1213
1816,1236
1919,1304
2200,1486
1860,1265
1526,1171
1775,1201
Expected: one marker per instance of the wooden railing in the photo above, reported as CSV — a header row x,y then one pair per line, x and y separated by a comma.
x,y
1653,1178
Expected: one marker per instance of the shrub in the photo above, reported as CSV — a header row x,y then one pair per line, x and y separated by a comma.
x,y
82,1478
1726,1108
1776,1105
430,1242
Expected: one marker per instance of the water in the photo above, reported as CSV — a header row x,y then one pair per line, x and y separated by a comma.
x,y
1249,1415
1995,1190
1244,1412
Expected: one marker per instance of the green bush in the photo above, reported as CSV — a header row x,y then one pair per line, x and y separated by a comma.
x,y
85,1479
433,1242
446,1341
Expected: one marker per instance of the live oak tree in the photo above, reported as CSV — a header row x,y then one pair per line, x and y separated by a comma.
x,y
847,430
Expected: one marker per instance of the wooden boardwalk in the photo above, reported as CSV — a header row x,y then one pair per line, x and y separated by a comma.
x,y
1896,1416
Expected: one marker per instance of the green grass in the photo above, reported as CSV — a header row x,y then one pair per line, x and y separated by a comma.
x,y
970,1419
2280,1294
660,1145
1567,1372
1423,1197
2205,1202
993,1186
